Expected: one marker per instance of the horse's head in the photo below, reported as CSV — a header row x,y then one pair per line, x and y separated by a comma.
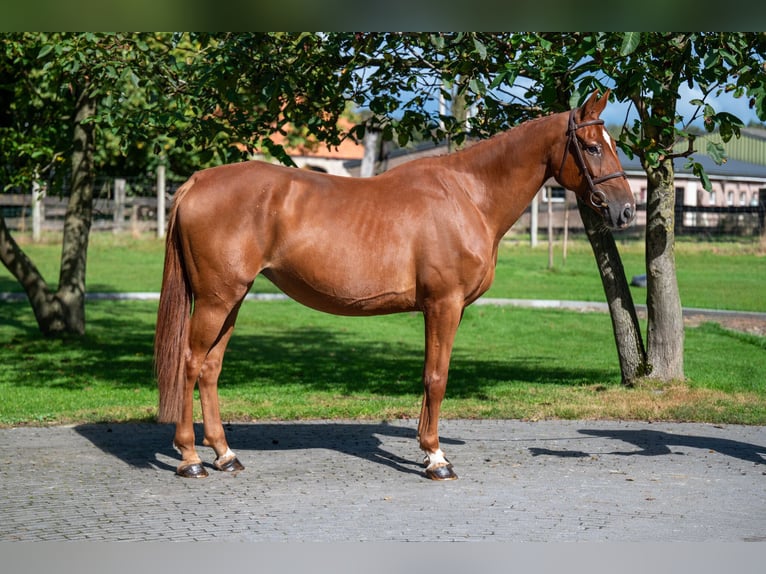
x,y
590,166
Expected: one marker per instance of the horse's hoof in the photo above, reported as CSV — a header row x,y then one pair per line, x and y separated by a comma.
x,y
232,465
443,472
194,470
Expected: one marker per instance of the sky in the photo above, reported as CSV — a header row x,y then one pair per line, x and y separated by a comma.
x,y
615,112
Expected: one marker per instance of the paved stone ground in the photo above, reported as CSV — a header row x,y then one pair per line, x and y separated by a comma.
x,y
361,481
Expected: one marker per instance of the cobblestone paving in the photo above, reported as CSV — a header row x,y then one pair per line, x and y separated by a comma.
x,y
362,481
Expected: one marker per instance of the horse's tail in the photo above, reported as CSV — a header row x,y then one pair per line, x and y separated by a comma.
x,y
171,334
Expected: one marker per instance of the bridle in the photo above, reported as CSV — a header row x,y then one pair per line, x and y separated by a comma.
x,y
597,197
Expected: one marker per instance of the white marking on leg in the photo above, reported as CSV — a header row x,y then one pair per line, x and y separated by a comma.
x,y
225,457
436,458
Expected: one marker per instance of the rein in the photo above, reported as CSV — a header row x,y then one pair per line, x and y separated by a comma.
x,y
597,197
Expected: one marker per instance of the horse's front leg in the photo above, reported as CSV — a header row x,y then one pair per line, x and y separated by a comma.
x,y
441,322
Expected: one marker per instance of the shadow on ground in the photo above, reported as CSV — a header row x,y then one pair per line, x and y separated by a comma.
x,y
657,443
146,445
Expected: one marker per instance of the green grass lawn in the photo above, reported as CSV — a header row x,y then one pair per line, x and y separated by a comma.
x,y
289,362
711,275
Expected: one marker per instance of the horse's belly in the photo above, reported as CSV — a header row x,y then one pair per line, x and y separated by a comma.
x,y
349,295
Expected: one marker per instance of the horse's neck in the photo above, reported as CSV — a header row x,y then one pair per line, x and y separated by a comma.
x,y
510,169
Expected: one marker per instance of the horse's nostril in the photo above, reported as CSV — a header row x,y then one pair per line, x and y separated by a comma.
x,y
627,213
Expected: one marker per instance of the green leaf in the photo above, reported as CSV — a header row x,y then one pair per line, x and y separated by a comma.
x,y
574,99
481,49
477,86
630,41
760,105
506,76
45,50
402,138
699,171
712,59
716,152
729,58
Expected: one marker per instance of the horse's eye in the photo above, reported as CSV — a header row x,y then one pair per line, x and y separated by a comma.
x,y
593,149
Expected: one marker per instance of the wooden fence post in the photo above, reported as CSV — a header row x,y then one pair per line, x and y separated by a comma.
x,y
161,200
119,204
566,229
38,213
550,228
371,138
534,219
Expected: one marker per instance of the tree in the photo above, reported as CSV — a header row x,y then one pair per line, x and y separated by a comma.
x,y
243,88
648,69
564,68
61,92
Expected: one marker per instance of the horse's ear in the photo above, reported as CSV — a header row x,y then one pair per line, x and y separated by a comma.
x,y
594,106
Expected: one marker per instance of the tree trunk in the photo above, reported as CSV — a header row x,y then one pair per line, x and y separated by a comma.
x,y
41,299
665,327
627,331
62,312
79,214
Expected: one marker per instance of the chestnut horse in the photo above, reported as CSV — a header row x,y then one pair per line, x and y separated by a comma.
x,y
420,237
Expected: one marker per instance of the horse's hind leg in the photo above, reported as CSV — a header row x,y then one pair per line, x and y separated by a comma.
x,y
211,327
208,390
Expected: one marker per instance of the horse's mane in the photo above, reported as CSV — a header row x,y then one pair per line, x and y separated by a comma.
x,y
478,144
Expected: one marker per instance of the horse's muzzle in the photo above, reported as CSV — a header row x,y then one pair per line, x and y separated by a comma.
x,y
617,215
620,216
